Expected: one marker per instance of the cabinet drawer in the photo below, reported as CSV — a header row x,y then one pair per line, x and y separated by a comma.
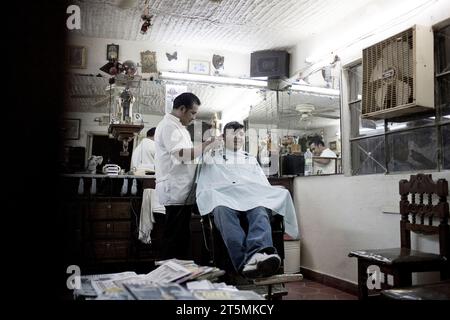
x,y
103,210
111,229
114,249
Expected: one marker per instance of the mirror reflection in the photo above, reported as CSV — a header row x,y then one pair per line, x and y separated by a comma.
x,y
280,124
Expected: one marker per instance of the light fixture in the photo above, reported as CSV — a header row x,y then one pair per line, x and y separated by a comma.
x,y
167,75
211,79
318,90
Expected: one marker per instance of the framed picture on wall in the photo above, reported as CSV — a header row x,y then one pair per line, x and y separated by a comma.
x,y
71,129
198,67
76,57
148,61
112,52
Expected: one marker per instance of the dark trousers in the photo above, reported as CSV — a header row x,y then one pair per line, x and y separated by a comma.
x,y
177,232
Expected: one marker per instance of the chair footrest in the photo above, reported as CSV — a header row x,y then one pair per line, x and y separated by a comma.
x,y
279,278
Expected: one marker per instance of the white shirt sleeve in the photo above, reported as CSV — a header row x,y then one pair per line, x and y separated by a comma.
x,y
328,153
174,140
136,157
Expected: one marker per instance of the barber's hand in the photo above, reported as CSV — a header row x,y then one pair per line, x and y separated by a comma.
x,y
214,143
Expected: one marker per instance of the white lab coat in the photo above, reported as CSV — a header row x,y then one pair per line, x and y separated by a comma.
x,y
143,157
174,176
235,180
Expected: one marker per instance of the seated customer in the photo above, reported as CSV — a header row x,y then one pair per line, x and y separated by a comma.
x,y
231,184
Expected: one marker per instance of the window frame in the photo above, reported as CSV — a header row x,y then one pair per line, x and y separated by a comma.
x,y
438,123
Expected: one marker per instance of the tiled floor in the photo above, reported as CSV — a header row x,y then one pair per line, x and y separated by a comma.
x,y
310,290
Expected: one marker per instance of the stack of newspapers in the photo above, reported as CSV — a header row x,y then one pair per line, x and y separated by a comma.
x,y
171,280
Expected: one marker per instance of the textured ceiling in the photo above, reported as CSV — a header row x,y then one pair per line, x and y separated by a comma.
x,y
234,25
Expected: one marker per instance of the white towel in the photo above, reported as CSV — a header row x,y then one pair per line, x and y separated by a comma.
x,y
146,221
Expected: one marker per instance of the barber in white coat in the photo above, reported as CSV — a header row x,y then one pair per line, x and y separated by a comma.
x,y
175,169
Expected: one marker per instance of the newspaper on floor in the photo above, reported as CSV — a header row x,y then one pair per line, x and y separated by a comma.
x,y
144,290
88,290
169,271
148,290
220,294
208,285
105,285
178,261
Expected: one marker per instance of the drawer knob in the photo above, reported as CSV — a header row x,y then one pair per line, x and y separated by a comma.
x,y
108,225
109,206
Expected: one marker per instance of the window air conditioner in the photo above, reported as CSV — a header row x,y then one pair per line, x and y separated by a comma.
x,y
398,75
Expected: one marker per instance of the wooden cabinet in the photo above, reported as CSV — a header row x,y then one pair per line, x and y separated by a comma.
x,y
102,229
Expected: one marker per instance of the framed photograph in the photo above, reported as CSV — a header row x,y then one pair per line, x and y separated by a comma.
x,y
198,67
76,57
112,52
148,61
71,129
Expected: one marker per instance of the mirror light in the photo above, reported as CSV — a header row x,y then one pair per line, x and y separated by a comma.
x,y
318,90
211,79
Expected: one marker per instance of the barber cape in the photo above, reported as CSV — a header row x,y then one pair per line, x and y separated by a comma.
x,y
235,180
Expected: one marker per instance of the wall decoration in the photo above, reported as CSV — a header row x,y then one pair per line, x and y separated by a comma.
x,y
218,61
71,129
148,61
198,67
172,91
172,56
76,57
112,52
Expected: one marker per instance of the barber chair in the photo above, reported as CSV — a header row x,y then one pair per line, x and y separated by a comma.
x,y
218,256
424,209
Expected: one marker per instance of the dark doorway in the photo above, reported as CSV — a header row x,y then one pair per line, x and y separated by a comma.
x,y
110,149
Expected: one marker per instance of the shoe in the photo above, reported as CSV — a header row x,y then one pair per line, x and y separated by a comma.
x,y
261,265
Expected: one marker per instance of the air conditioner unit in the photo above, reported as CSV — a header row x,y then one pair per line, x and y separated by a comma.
x,y
398,75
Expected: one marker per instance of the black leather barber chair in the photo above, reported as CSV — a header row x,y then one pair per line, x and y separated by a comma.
x,y
218,255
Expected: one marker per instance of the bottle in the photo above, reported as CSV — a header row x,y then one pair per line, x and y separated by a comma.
x,y
308,162
124,190
94,186
134,187
81,186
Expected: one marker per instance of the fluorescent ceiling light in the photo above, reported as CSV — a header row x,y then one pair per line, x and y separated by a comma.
x,y
211,79
318,90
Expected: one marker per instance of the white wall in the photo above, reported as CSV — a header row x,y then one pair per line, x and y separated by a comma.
x,y
338,214
375,22
341,213
235,64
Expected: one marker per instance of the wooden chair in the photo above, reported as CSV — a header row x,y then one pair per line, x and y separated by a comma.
x,y
430,291
417,213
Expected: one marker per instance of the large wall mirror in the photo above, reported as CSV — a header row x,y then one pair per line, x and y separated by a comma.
x,y
279,123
